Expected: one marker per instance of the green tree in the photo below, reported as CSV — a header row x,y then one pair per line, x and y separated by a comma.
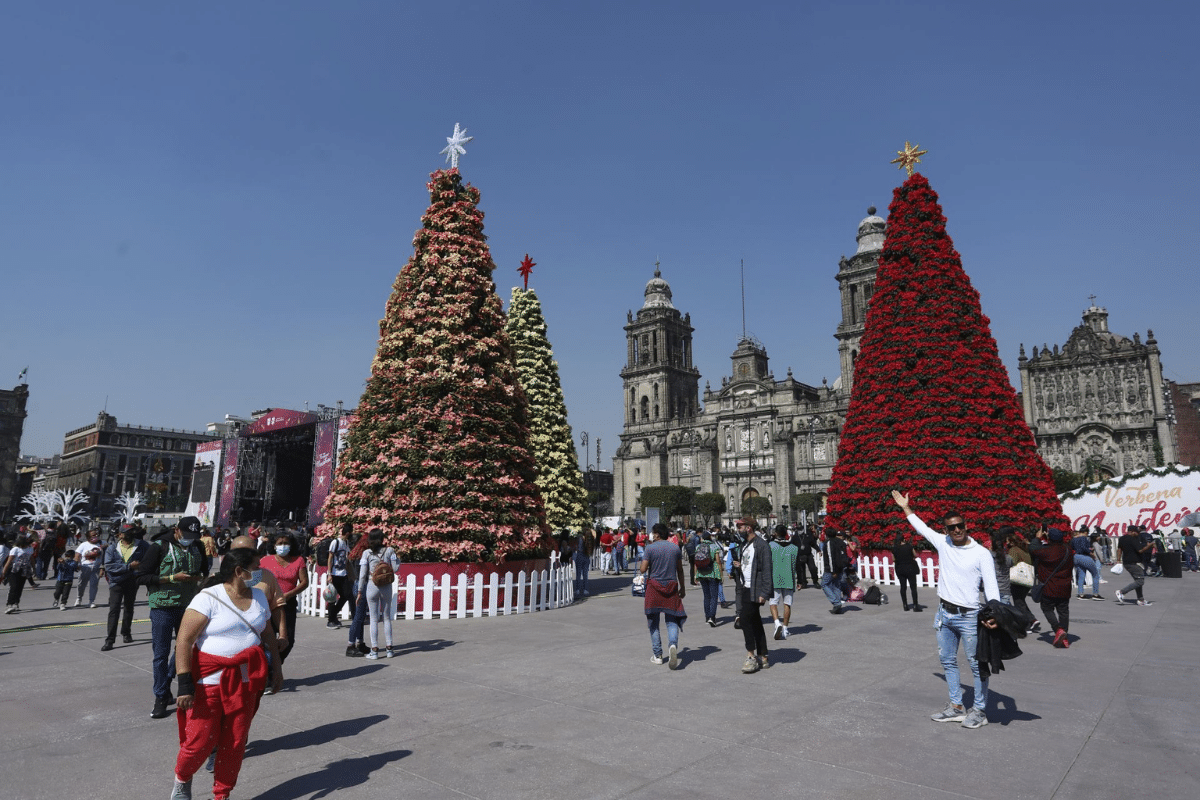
x,y
806,501
756,507
558,475
1066,481
711,505
675,501
438,454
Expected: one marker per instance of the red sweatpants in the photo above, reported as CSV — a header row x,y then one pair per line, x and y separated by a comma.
x,y
207,724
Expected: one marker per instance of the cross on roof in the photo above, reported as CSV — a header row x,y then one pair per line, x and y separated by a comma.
x,y
1092,298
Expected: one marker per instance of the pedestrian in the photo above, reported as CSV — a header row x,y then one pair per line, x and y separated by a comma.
x,y
1081,545
619,542
210,548
172,573
606,548
582,556
89,553
663,568
834,563
754,588
290,571
17,571
707,560
356,648
222,673
122,560
1132,552
690,542
377,572
805,563
270,587
1019,555
1052,559
783,579
1189,550
905,560
64,579
45,550
963,565
336,565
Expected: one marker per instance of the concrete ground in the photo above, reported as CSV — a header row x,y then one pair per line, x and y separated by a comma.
x,y
567,704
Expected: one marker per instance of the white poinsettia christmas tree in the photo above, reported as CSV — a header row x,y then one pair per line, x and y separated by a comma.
x,y
558,476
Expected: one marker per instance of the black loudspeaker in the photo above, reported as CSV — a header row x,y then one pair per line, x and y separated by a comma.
x,y
1172,564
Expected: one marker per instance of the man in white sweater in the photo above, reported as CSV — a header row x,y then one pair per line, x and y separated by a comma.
x,y
962,565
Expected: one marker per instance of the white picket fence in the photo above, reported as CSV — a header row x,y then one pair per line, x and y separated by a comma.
x,y
879,569
462,596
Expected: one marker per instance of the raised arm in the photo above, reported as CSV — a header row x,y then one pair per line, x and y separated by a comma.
x,y
919,526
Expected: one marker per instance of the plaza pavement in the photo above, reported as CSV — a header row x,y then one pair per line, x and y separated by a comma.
x,y
566,704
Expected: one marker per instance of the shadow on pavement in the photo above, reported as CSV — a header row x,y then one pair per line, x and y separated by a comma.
x,y
696,654
340,675
802,629
344,774
423,646
786,656
322,734
1002,709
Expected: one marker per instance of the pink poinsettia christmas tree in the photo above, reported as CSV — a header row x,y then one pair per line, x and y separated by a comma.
x,y
438,455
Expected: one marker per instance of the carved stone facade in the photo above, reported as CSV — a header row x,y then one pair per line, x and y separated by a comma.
x,y
12,424
1099,404
755,435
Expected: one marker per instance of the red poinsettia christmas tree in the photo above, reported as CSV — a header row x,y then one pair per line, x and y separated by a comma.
x,y
438,455
932,411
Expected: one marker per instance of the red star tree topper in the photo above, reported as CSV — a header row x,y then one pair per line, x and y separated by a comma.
x,y
438,455
526,269
932,411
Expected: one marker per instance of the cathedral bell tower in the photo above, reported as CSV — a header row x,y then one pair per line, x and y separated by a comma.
x,y
856,283
661,390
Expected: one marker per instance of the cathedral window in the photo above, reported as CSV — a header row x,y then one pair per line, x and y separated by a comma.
x,y
645,408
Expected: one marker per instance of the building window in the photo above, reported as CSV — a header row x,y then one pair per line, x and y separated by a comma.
x,y
645,408
637,470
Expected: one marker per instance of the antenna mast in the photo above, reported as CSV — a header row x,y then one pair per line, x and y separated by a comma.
x,y
743,263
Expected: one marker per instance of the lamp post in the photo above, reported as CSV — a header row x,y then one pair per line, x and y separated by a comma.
x,y
583,439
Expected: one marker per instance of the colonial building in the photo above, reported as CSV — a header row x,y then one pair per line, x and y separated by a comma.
x,y
12,424
106,460
1099,404
755,435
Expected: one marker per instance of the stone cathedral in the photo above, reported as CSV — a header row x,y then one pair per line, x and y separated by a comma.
x,y
756,435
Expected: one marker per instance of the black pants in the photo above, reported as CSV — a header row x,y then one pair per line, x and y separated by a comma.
x,y
812,569
752,624
121,594
1058,612
289,616
16,585
1019,593
907,582
345,594
62,591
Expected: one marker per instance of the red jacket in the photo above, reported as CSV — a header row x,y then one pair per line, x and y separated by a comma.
x,y
1046,560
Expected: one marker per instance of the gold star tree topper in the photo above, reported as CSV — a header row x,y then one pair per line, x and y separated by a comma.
x,y
908,157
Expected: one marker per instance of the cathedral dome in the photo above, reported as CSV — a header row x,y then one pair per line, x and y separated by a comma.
x,y
871,232
658,292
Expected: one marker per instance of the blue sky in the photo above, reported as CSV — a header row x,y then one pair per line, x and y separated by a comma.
x,y
202,208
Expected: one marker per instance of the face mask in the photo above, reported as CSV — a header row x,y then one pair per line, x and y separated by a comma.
x,y
283,550
186,542
255,578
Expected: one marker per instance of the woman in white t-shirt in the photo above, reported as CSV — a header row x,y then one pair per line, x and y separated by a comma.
x,y
222,672
89,553
380,600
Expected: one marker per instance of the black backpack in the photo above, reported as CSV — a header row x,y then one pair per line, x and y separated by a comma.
x,y
873,596
838,560
323,551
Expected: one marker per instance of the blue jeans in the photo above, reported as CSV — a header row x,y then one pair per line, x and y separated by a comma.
x,y
360,618
831,586
656,637
164,626
710,586
1084,565
619,559
951,629
582,567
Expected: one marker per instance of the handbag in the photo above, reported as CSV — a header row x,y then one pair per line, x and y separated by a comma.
x,y
1035,593
638,588
1021,574
1117,568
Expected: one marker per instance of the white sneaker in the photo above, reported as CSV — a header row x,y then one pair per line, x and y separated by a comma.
x,y
657,660
1120,597
786,633
1145,602
673,657
62,606
78,603
93,605
373,655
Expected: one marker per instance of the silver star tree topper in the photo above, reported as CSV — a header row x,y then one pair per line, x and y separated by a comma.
x,y
454,146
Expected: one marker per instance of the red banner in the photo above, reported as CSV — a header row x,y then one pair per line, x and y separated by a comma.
x,y
322,477
228,483
277,419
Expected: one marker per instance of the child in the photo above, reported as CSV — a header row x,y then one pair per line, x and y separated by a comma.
x,y
65,579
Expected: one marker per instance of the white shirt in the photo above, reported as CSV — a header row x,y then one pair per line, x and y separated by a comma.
x,y
226,634
88,553
960,569
336,546
747,559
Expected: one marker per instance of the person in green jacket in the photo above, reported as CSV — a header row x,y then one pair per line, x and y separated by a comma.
x,y
784,555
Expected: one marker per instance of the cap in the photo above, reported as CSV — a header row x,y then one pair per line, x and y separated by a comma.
x,y
189,525
1056,535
